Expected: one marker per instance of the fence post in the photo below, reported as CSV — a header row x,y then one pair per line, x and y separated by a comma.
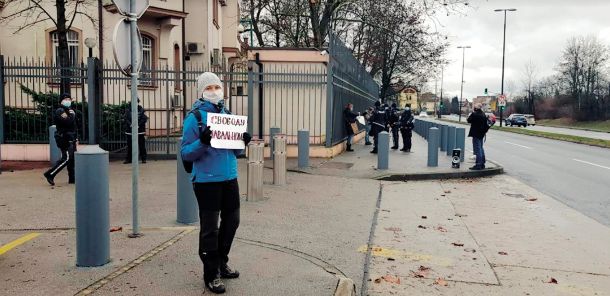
x,y
433,141
272,132
54,152
1,99
92,207
450,140
187,211
251,102
329,98
256,150
460,141
279,159
383,151
443,137
303,142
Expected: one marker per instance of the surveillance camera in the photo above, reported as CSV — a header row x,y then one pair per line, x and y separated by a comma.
x,y
324,52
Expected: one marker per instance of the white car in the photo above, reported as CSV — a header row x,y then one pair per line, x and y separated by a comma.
x,y
423,114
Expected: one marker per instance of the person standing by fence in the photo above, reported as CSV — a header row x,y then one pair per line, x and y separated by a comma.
x,y
379,123
351,127
142,119
406,129
367,127
214,177
64,118
393,121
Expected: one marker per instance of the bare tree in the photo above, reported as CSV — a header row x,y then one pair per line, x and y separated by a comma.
x,y
530,78
28,13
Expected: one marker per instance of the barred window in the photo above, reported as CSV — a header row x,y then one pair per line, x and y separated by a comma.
x,y
147,61
73,50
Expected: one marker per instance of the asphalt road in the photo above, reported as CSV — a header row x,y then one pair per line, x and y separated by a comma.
x,y
575,174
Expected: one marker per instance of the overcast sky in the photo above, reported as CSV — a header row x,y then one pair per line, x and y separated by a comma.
x,y
538,30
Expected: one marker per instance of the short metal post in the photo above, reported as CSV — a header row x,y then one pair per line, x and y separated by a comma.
x,y
92,207
444,137
433,142
460,141
256,150
279,159
187,210
1,99
303,142
272,132
383,151
450,140
54,152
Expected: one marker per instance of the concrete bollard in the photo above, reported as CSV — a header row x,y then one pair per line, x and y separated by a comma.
x,y
443,137
54,152
279,160
450,140
460,141
272,132
433,142
256,150
187,210
92,207
303,142
383,151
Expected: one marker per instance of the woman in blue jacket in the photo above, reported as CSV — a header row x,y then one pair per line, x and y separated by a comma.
x,y
214,178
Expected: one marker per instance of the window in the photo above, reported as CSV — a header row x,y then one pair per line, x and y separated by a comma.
x,y
215,10
147,61
73,53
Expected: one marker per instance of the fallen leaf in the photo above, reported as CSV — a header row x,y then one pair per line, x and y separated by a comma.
x,y
458,244
422,272
447,191
552,281
532,199
470,250
395,229
424,217
441,229
461,215
391,259
385,210
377,280
502,253
422,227
391,279
114,229
441,282
443,195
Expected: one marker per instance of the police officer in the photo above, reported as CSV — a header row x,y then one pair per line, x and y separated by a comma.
x,y
393,122
142,119
214,178
406,129
379,122
65,137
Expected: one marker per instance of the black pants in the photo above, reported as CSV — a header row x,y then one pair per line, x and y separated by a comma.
x,y
67,147
395,136
218,202
406,138
141,147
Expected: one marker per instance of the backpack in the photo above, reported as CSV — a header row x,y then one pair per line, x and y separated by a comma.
x,y
188,165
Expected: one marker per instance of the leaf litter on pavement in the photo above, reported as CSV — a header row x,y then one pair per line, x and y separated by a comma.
x,y
441,282
422,272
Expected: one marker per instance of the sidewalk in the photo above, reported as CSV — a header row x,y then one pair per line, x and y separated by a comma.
x,y
312,232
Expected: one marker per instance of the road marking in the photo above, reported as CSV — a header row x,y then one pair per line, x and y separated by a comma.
x,y
518,145
17,242
593,164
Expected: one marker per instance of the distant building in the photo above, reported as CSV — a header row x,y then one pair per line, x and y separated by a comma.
x,y
488,103
407,97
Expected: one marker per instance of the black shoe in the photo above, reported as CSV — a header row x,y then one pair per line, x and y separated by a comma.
x,y
71,181
476,168
49,179
227,273
394,147
143,160
216,286
404,150
368,143
127,162
374,151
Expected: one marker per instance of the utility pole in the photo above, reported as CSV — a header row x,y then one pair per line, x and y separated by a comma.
x,y
462,84
503,56
441,98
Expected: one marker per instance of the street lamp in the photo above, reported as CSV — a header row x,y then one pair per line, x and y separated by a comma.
x,y
462,84
503,55
90,43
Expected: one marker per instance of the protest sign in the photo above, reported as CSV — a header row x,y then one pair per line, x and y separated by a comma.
x,y
227,130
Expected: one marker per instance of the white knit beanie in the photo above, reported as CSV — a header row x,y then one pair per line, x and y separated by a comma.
x,y
206,79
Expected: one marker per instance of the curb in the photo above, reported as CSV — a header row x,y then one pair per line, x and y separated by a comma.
x,y
445,175
345,287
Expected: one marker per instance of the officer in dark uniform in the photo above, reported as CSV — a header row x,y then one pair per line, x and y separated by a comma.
x,y
393,119
406,129
379,122
65,137
142,119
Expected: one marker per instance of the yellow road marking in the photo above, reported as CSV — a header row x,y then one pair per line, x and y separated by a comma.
x,y
17,242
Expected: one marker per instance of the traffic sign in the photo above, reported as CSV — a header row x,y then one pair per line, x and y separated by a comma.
x,y
124,8
121,43
502,101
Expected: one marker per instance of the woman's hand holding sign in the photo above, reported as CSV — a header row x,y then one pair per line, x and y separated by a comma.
x,y
206,136
247,138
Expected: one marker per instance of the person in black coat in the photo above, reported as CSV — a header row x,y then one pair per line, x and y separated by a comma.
x,y
406,129
142,120
478,129
64,118
349,117
393,122
379,123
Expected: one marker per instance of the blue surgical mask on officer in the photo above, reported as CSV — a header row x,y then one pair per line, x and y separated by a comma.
x,y
66,103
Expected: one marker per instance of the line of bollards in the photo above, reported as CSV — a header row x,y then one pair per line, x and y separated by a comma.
x,y
441,137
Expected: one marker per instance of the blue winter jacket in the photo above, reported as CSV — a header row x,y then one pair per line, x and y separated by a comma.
x,y
209,164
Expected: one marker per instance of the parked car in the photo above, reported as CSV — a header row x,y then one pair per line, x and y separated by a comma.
x,y
516,119
423,114
530,119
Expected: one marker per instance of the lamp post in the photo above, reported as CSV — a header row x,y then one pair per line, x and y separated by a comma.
x,y
462,84
503,56
440,111
90,43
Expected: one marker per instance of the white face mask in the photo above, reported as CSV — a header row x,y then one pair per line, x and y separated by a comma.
x,y
214,97
66,103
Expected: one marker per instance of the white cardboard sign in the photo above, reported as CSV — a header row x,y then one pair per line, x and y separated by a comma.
x,y
227,130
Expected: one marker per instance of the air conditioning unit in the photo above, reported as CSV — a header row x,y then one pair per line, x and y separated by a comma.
x,y
177,101
194,48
